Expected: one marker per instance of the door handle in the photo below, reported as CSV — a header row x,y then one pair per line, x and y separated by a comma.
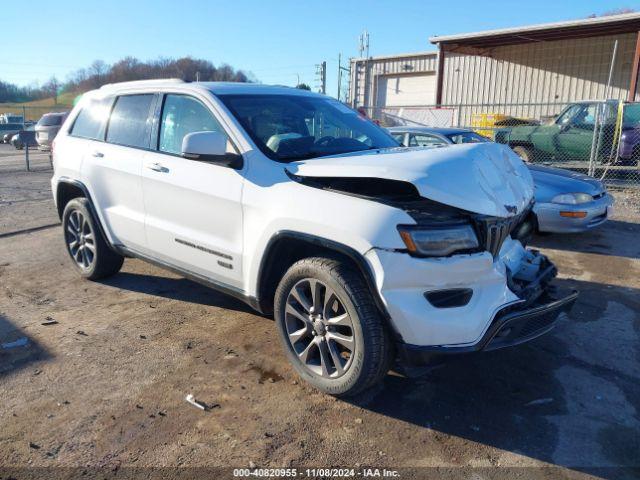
x,y
156,167
97,154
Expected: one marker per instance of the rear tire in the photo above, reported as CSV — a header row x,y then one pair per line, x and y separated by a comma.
x,y
525,153
331,330
91,255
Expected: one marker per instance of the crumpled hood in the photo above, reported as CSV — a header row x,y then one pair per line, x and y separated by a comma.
x,y
486,178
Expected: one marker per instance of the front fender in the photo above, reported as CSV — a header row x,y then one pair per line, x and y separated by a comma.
x,y
355,223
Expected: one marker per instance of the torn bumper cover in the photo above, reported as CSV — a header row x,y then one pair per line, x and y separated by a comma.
x,y
511,326
513,301
535,314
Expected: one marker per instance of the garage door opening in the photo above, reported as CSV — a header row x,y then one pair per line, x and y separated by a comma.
x,y
406,90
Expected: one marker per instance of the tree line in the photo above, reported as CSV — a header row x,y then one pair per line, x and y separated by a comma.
x,y
129,68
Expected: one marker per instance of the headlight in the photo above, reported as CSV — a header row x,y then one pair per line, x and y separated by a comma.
x,y
572,198
437,241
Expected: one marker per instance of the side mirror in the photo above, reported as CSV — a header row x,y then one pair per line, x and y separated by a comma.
x,y
565,127
209,147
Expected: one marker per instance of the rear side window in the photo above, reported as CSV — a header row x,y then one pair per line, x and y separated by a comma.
x,y
130,122
91,120
425,141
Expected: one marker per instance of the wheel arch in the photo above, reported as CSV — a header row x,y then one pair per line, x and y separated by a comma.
x,y
66,190
287,247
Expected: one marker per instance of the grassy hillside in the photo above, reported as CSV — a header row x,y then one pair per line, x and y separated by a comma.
x,y
63,99
35,109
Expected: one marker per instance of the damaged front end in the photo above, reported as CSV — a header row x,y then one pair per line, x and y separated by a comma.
x,y
529,277
472,285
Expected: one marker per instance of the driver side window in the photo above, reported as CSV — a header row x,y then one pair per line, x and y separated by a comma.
x,y
567,118
182,115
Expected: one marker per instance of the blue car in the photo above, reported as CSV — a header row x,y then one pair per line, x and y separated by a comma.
x,y
566,201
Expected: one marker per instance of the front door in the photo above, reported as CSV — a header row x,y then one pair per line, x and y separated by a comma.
x,y
193,208
576,137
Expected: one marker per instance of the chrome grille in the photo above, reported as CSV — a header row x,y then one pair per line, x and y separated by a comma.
x,y
494,231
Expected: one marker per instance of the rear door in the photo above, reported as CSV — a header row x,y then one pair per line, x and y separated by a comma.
x,y
193,208
113,168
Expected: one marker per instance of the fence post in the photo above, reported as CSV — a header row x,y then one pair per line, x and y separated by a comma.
x,y
26,155
594,142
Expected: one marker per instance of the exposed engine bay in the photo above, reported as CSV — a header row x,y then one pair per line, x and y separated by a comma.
x,y
491,231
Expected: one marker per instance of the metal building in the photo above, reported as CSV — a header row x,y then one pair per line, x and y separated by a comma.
x,y
551,64
397,80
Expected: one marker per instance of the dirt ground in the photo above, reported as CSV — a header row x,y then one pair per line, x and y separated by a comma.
x,y
104,386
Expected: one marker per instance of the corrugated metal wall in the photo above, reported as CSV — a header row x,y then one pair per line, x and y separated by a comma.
x,y
551,73
543,72
364,73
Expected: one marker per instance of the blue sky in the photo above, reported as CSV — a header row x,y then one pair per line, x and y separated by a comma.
x,y
277,40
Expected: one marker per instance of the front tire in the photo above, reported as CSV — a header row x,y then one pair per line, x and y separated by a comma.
x,y
91,255
331,329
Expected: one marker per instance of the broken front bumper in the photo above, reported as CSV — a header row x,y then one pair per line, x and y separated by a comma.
x,y
467,303
511,326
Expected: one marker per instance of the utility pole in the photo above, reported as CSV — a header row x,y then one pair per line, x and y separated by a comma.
x,y
364,45
340,70
321,72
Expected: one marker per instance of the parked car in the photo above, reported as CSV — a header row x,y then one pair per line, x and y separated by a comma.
x,y
362,250
24,137
565,201
8,130
570,135
11,118
47,128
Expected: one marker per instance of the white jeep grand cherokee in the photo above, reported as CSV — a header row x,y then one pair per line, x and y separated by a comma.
x,y
365,252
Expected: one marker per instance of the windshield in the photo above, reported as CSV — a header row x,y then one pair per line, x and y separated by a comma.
x,y
467,137
295,127
50,120
631,115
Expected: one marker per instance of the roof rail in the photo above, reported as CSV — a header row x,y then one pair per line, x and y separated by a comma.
x,y
143,82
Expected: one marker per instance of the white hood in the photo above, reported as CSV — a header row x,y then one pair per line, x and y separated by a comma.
x,y
485,178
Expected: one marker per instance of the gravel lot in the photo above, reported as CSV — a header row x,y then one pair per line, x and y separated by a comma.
x,y
104,387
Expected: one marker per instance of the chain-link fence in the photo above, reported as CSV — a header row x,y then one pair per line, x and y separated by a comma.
x,y
22,147
29,114
599,138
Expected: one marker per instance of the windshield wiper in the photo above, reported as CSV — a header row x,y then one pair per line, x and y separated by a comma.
x,y
304,156
307,156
